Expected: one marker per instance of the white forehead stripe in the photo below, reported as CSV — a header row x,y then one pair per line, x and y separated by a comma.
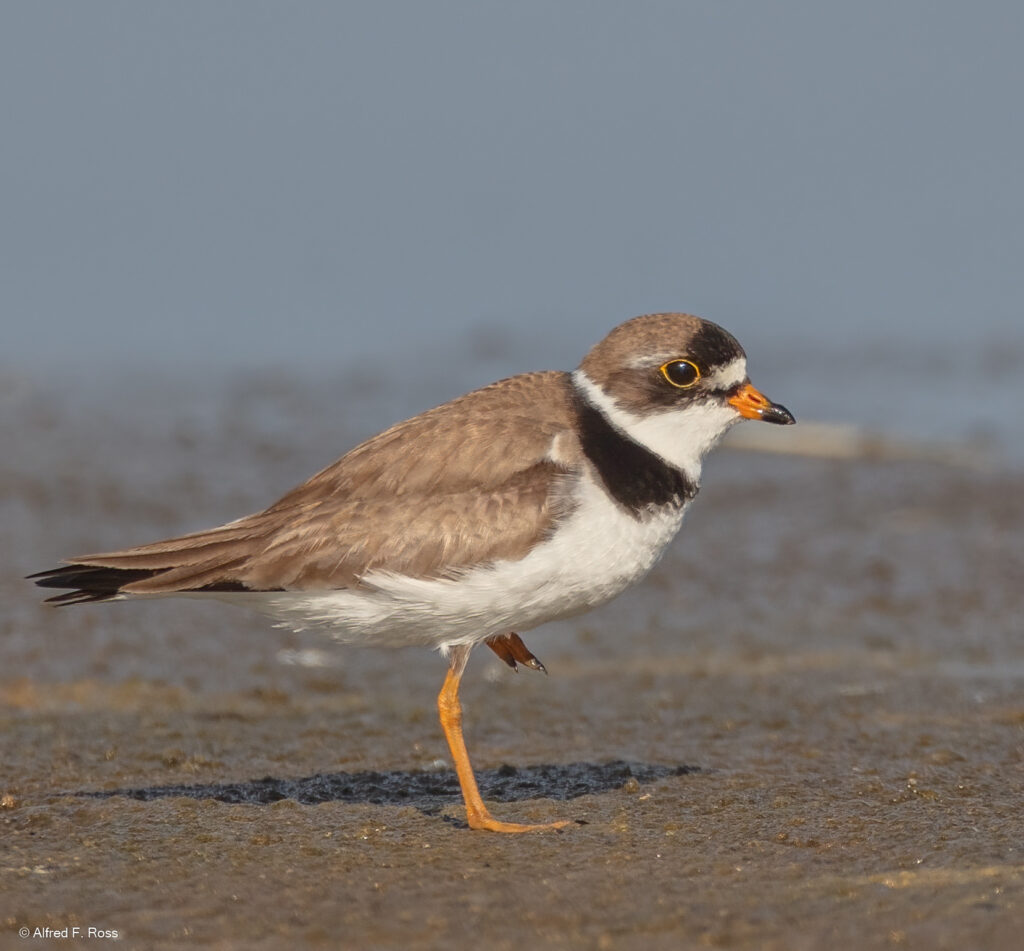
x,y
725,377
732,374
679,435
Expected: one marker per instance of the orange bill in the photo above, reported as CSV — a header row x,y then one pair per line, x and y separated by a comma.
x,y
751,403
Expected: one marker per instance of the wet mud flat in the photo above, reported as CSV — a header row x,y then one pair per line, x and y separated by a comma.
x,y
804,730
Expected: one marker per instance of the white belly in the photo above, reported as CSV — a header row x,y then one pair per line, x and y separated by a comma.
x,y
596,553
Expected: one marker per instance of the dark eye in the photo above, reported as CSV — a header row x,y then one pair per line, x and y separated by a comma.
x,y
681,373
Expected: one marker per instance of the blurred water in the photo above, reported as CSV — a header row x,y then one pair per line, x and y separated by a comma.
x,y
913,388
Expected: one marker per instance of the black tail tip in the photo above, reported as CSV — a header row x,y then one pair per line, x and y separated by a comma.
x,y
86,583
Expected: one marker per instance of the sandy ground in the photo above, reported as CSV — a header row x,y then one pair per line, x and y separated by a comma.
x,y
804,730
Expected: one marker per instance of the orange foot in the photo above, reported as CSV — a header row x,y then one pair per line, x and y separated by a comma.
x,y
489,823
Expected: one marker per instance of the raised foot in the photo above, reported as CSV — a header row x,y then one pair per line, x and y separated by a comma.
x,y
511,649
494,825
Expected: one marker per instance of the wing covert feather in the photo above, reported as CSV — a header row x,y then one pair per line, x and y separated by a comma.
x,y
468,482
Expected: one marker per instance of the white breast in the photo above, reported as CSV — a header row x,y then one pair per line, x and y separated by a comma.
x,y
595,554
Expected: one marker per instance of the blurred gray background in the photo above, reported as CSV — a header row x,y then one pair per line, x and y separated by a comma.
x,y
469,189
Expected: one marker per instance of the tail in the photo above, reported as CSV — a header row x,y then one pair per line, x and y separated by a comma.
x,y
204,562
89,582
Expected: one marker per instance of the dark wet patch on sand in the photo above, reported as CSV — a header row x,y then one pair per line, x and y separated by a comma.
x,y
427,791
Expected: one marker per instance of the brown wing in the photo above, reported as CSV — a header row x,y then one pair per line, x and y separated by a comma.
x,y
478,441
465,483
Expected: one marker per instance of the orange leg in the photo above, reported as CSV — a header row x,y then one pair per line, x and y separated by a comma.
x,y
451,721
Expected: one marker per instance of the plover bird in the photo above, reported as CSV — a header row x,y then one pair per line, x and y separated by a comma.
x,y
535,498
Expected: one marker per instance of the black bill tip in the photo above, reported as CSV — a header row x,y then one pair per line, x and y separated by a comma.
x,y
777,413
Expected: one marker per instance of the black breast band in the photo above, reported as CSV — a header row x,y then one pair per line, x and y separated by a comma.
x,y
634,476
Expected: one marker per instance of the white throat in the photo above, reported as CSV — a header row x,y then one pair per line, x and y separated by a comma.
x,y
682,437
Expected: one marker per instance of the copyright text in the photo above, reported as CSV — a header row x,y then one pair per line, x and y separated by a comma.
x,y
70,933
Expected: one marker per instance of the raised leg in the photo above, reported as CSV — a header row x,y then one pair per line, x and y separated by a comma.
x,y
451,721
511,649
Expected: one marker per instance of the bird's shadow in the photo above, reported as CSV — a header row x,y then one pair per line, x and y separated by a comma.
x,y
429,792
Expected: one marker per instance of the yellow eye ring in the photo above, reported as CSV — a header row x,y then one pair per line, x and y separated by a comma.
x,y
682,374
